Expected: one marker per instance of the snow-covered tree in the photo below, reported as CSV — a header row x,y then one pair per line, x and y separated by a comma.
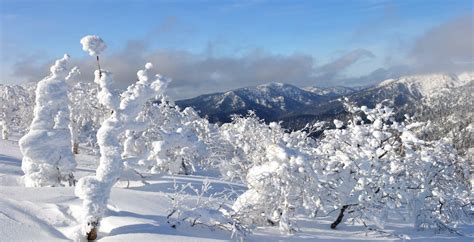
x,y
374,165
176,141
5,129
357,157
16,107
175,145
95,190
438,182
449,114
46,148
86,114
242,145
279,169
366,169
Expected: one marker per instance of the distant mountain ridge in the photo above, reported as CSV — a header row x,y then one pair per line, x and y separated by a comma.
x,y
269,101
332,91
297,106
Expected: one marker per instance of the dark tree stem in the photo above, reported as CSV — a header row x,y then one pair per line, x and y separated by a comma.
x,y
98,64
339,217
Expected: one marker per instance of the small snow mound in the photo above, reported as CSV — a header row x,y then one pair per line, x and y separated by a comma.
x,y
93,44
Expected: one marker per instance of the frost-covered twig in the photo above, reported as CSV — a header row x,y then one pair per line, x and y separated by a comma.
x,y
201,210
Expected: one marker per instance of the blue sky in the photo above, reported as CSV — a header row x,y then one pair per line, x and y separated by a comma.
x,y
368,34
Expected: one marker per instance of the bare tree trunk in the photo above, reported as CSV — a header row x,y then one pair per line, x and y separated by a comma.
x,y
75,148
184,167
339,217
92,234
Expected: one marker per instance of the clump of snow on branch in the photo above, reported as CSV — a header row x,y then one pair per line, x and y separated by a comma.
x,y
48,159
93,44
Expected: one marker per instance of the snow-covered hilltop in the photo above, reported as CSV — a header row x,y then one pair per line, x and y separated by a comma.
x,y
430,84
270,101
278,101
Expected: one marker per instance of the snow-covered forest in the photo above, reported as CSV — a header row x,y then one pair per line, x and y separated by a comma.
x,y
84,161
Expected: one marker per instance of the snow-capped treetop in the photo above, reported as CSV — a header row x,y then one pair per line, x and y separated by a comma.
x,y
73,73
93,44
105,96
59,69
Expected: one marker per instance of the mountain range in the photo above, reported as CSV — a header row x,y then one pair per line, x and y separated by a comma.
x,y
295,107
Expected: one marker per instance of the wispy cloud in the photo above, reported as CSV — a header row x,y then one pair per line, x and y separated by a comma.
x,y
195,74
330,70
448,47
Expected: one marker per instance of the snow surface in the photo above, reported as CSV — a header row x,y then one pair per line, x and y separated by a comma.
x,y
139,212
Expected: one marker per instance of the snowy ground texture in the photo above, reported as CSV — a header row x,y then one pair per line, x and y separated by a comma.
x,y
138,213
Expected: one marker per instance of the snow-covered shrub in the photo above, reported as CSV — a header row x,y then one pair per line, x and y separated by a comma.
x,y
174,139
95,190
46,148
439,185
16,106
5,129
375,165
279,188
176,152
358,162
86,114
242,145
199,207
279,169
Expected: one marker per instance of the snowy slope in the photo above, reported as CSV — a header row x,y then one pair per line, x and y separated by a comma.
x,y
139,212
296,107
331,91
430,84
270,101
